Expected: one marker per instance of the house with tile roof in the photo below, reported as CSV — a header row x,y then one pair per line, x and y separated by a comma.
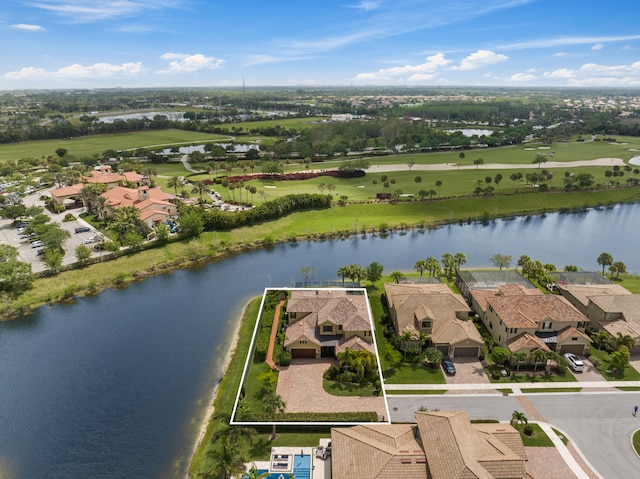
x,y
324,322
440,445
616,314
435,311
152,204
512,310
579,294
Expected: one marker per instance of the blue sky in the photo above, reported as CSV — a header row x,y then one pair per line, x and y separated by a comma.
x,y
165,43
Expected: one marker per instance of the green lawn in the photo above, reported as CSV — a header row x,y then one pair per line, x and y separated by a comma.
x,y
416,391
537,439
551,390
336,388
87,146
636,441
537,377
629,373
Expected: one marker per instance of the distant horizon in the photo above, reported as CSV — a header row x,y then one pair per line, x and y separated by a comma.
x,y
79,44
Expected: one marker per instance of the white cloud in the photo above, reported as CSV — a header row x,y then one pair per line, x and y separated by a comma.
x,y
565,41
423,71
597,46
182,62
519,77
560,73
559,54
28,27
82,11
480,59
98,70
366,6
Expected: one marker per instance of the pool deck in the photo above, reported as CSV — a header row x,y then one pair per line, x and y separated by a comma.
x,y
320,468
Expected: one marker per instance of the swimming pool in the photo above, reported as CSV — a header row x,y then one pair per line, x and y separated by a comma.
x,y
301,469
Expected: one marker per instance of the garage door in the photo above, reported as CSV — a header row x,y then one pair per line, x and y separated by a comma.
x,y
466,352
443,349
303,353
572,348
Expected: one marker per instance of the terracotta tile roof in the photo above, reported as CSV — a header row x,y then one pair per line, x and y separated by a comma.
x,y
526,342
67,191
356,343
119,196
104,177
526,311
132,176
146,214
334,306
570,332
582,292
482,295
626,304
305,329
436,302
442,445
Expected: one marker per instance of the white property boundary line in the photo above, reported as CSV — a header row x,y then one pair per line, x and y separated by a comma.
x,y
300,423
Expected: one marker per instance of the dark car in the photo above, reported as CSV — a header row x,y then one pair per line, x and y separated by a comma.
x,y
448,366
82,229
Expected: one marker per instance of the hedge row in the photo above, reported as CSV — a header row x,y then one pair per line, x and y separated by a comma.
x,y
216,220
361,416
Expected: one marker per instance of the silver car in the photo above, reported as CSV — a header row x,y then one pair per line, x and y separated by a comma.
x,y
575,362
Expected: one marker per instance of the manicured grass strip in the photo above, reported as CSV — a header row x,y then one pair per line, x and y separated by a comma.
x,y
535,378
395,392
336,388
563,438
505,390
628,388
537,439
551,390
636,441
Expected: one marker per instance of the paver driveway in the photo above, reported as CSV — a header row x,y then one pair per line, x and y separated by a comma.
x,y
468,371
300,386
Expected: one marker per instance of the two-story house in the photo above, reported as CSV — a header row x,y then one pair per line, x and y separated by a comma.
x,y
435,312
325,322
512,310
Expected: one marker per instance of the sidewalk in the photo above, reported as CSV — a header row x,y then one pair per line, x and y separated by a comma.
x,y
478,388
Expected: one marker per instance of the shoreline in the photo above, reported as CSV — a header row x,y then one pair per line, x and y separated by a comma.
x,y
206,420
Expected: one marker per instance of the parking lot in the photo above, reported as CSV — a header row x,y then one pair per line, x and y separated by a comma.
x,y
11,236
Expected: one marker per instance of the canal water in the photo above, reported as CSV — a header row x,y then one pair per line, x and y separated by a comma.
x,y
117,385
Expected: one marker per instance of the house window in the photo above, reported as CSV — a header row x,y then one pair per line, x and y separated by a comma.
x,y
303,341
490,325
546,325
513,331
580,324
292,315
327,328
367,333
426,325
339,327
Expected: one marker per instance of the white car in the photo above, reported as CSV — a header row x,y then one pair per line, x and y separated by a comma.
x,y
37,244
575,362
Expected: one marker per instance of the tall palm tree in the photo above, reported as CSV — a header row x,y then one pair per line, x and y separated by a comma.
x,y
420,266
624,340
520,357
228,460
538,356
461,259
174,182
199,188
272,405
255,474
518,417
396,276
343,272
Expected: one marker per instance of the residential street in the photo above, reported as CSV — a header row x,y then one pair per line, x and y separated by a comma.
x,y
599,423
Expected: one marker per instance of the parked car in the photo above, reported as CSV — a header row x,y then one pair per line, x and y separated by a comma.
x,y
82,229
575,362
37,244
93,239
448,366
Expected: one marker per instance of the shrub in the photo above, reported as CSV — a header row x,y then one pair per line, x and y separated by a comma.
x,y
285,358
528,430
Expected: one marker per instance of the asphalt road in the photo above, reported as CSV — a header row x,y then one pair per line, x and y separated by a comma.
x,y
599,424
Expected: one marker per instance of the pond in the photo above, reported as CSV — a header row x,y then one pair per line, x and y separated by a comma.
x,y
117,385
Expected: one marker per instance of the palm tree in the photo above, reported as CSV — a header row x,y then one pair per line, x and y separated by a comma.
x,y
255,474
343,272
624,340
518,417
605,259
433,265
125,220
101,207
420,266
234,434
601,338
228,460
199,188
438,185
174,182
460,260
407,336
538,356
396,276
272,405
520,357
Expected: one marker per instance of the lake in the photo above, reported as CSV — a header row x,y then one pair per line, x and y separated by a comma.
x,y
117,385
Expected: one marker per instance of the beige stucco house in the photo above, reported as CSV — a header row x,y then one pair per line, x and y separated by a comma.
x,y
512,310
324,322
435,311
440,445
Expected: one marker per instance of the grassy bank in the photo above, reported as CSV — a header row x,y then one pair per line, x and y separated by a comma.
x,y
316,224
